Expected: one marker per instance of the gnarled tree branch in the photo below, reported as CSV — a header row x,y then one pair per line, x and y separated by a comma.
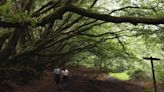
x,y
114,19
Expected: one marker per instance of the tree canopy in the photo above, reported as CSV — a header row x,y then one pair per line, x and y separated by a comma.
x,y
42,33
68,6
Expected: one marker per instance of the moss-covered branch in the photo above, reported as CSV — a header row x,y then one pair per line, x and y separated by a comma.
x,y
114,19
58,14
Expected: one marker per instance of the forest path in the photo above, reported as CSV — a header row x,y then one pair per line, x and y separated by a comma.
x,y
80,82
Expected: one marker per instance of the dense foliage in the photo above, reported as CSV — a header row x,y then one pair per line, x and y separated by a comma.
x,y
38,34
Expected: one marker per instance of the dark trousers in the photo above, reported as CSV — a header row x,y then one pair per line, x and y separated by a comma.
x,y
64,81
57,79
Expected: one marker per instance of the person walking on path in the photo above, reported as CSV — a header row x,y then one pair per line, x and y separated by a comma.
x,y
56,74
65,74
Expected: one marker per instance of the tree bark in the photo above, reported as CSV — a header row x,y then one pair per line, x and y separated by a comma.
x,y
114,19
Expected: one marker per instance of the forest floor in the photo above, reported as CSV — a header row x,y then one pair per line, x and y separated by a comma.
x,y
85,80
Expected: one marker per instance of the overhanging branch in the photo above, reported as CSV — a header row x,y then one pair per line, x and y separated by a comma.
x,y
104,17
115,19
91,35
132,7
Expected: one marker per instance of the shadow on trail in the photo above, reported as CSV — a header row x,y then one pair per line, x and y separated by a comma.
x,y
82,84
79,83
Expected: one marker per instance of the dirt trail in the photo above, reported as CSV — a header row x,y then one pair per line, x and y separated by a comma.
x,y
87,85
80,82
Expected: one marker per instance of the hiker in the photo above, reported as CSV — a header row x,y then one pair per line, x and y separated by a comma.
x,y
57,73
64,74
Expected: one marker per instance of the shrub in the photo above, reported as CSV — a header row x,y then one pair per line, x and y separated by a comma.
x,y
18,74
139,74
160,75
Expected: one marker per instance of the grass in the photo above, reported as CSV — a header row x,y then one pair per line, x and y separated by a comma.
x,y
121,76
149,90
